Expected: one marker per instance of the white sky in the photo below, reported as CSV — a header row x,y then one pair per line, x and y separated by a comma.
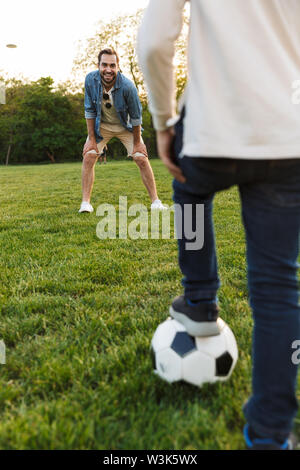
x,y
47,33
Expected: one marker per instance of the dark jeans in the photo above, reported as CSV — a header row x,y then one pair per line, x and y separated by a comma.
x,y
270,199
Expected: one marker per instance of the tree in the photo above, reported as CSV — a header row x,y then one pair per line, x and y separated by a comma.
x,y
40,123
8,112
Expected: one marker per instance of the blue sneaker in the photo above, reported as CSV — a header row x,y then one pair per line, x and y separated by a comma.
x,y
254,442
199,319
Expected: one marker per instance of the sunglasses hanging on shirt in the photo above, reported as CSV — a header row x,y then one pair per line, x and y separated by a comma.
x,y
106,97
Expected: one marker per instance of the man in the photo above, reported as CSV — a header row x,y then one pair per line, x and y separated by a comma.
x,y
102,157
113,109
238,126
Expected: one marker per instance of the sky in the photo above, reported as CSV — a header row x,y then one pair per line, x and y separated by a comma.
x,y
47,33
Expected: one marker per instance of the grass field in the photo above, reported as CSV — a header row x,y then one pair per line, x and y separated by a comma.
x,y
78,315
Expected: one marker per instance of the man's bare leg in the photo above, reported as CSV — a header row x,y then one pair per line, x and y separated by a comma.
x,y
88,176
147,176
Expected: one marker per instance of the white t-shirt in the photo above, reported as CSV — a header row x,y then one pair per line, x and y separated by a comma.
x,y
109,117
243,61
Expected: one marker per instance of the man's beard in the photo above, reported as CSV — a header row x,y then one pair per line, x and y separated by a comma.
x,y
108,79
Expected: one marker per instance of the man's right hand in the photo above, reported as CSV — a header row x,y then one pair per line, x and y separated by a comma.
x,y
90,144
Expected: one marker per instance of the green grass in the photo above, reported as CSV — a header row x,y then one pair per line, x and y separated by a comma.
x,y
78,315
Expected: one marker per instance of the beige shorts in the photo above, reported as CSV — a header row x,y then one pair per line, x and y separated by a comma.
x,y
126,137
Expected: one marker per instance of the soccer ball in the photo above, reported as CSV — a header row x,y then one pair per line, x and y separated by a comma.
x,y
195,360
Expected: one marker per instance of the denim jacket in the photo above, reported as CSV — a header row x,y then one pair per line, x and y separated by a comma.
x,y
125,98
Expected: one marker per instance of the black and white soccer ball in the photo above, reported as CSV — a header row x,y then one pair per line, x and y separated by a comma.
x,y
195,360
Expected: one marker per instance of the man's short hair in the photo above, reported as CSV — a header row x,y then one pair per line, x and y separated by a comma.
x,y
109,51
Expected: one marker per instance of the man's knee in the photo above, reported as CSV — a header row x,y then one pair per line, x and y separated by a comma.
x,y
142,162
89,160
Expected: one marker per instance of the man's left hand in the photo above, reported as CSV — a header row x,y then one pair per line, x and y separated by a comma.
x,y
164,145
141,148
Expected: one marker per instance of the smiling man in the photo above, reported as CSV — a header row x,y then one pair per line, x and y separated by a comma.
x,y
113,109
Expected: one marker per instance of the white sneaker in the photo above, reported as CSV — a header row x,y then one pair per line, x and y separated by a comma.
x,y
86,207
158,205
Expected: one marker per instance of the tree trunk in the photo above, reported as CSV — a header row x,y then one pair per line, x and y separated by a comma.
x,y
51,156
8,154
9,149
133,74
